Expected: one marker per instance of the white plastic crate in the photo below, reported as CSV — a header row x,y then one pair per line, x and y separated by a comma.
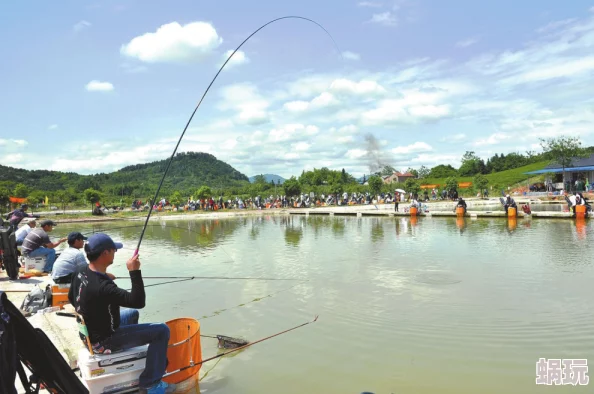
x,y
112,373
34,263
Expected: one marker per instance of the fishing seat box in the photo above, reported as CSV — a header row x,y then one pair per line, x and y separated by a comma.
x,y
112,373
34,263
60,294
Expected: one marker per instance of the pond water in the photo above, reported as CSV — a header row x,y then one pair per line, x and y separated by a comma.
x,y
433,305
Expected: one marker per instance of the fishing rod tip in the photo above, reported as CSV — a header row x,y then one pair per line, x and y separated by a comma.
x,y
316,319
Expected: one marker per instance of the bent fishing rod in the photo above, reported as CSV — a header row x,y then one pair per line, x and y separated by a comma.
x,y
200,102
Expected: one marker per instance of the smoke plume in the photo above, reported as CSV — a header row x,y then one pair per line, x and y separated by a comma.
x,y
377,159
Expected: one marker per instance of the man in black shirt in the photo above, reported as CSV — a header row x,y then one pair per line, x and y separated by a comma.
x,y
98,299
462,204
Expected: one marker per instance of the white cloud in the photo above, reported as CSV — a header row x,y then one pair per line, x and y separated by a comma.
x,y
385,18
454,138
81,25
173,42
296,106
13,159
415,147
363,87
493,139
245,99
351,55
356,153
372,4
53,127
238,58
552,70
98,86
467,42
345,138
301,146
12,142
348,129
292,131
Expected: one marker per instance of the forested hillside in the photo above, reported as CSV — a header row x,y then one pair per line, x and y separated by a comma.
x,y
188,172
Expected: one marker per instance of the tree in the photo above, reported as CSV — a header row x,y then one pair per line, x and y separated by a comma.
x,y
480,183
471,165
64,197
4,197
36,197
21,191
93,196
451,184
292,187
423,172
442,171
412,186
260,179
413,171
336,188
176,198
563,150
203,193
387,170
375,184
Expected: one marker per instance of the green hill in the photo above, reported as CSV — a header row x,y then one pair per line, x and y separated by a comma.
x,y
188,172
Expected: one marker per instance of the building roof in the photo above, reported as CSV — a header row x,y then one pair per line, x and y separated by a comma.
x,y
579,165
560,170
405,174
586,162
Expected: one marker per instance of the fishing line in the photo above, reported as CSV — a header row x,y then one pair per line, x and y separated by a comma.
x,y
200,102
217,313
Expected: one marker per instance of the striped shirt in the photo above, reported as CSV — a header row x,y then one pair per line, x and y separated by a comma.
x,y
34,240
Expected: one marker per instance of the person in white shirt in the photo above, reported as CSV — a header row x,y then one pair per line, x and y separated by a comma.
x,y
21,233
70,260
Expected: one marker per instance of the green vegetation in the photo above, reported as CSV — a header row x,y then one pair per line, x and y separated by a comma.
x,y
499,179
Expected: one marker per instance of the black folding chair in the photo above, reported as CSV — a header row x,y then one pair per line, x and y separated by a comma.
x,y
46,365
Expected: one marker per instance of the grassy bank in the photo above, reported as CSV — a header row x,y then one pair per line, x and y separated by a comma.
x,y
500,180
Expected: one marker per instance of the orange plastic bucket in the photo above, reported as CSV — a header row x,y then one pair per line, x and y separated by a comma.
x,y
511,212
413,211
459,210
580,211
184,348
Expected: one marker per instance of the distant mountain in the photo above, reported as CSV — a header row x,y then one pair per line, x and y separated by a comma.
x,y
269,177
188,171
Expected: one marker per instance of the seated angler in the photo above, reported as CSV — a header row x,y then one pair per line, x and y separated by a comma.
x,y
21,233
37,243
17,215
462,204
70,260
509,203
98,299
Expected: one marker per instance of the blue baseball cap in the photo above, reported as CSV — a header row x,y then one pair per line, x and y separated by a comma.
x,y
99,242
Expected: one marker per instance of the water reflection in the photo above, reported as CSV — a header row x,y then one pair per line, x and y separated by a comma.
x,y
293,230
338,226
377,230
461,224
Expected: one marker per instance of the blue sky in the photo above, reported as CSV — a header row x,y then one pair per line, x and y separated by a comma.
x,y
94,86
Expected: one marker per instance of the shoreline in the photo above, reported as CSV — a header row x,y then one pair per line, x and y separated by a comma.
x,y
436,208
